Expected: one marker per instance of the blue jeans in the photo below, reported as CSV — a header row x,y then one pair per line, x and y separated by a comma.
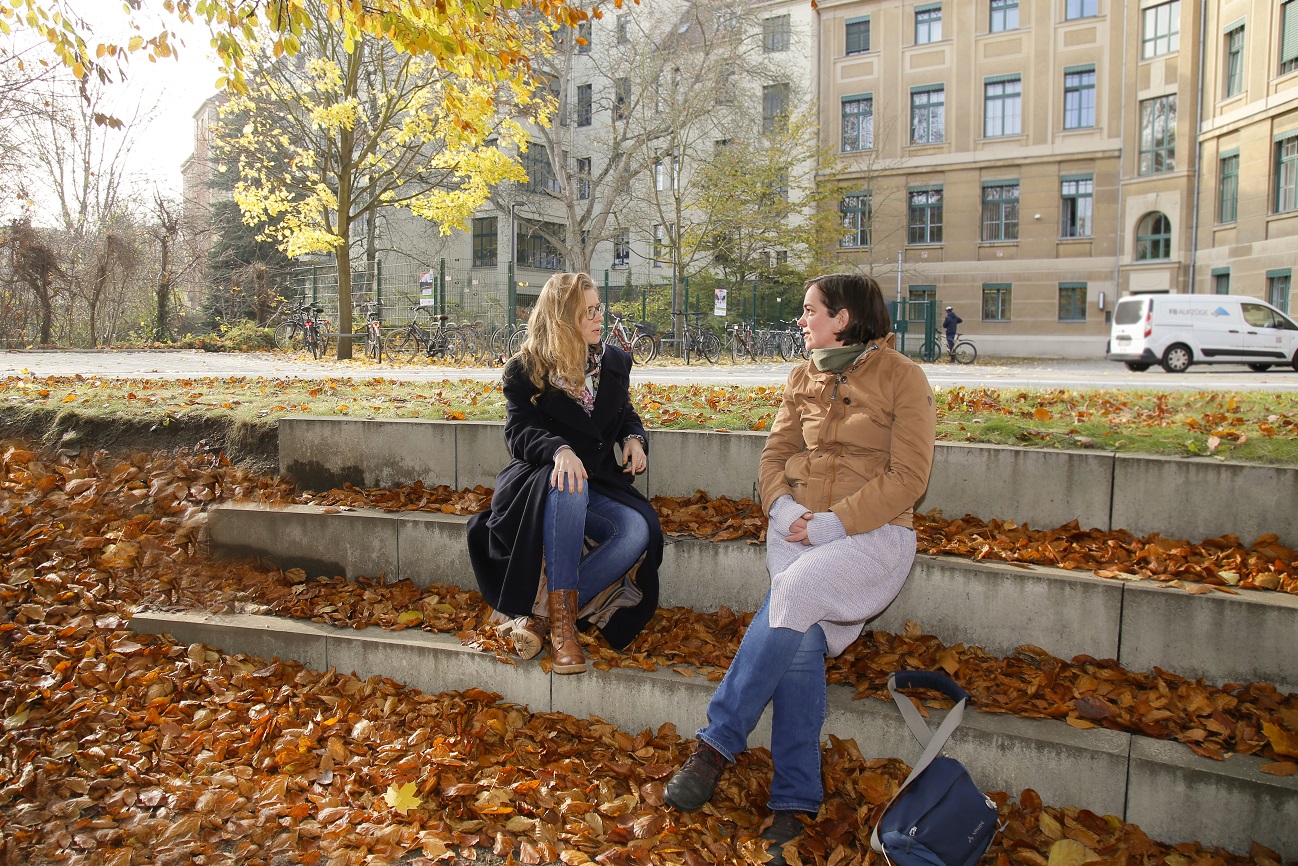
x,y
786,669
619,531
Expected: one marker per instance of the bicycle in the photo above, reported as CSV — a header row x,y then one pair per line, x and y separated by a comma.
x,y
791,342
635,339
440,339
373,331
742,341
696,339
962,350
305,321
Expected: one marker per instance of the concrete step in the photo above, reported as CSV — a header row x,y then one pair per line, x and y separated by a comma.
x,y
1248,637
1174,795
1194,498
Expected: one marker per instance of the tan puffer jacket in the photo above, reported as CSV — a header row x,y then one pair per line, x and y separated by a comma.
x,y
859,443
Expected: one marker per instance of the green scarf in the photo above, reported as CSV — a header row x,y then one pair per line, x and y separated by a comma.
x,y
838,359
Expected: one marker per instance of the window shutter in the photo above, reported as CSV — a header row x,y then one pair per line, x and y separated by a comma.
x,y
858,36
1289,32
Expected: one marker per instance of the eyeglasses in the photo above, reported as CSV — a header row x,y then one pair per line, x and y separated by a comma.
x,y
595,312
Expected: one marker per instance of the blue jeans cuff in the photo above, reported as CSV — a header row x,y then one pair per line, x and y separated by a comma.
x,y
725,754
791,806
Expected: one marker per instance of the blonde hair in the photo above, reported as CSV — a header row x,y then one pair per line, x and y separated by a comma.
x,y
554,344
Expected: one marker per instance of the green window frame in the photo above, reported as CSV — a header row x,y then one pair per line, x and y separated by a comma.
x,y
1221,281
858,215
1002,106
486,241
1000,211
924,215
996,301
1074,9
1072,302
1154,237
928,23
1004,16
1079,97
1076,205
1286,174
1288,36
1157,135
916,298
1160,29
858,123
1234,83
928,114
1228,187
856,32
1278,284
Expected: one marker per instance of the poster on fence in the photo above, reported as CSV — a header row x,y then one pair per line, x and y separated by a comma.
x,y
427,290
719,307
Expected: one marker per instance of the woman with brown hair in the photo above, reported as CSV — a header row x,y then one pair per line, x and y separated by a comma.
x,y
848,457
567,399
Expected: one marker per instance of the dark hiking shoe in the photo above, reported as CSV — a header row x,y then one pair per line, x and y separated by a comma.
x,y
694,782
785,827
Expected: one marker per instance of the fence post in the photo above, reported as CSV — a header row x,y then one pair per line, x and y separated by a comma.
x,y
378,282
510,291
441,281
606,297
754,316
644,301
685,298
315,294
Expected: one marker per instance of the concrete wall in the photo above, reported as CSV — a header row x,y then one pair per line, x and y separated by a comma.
x,y
1193,499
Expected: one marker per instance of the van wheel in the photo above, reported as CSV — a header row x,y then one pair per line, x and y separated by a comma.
x,y
1137,368
1259,368
1177,358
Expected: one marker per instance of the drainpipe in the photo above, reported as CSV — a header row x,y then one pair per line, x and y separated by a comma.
x,y
1198,146
1122,153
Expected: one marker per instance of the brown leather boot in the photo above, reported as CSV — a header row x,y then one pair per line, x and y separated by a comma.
x,y
565,650
527,633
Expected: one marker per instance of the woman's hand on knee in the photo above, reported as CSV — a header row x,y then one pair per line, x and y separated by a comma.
x,y
633,456
569,473
798,530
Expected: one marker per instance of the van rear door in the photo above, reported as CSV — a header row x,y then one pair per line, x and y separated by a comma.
x,y
1127,337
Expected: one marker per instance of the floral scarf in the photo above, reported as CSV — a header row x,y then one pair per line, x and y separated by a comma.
x,y
585,396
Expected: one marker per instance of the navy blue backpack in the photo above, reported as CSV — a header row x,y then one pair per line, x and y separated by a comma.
x,y
938,817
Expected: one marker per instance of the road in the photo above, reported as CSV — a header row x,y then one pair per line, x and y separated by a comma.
x,y
993,372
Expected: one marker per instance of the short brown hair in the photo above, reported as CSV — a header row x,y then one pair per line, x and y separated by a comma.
x,y
867,313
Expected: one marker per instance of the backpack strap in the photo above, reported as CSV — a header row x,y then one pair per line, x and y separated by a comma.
x,y
932,742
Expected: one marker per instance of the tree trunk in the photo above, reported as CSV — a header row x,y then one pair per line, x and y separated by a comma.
x,y
163,298
47,307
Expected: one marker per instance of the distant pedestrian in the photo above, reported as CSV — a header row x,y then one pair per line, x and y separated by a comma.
x,y
949,325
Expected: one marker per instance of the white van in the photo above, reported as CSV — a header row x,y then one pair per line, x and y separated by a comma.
x,y
1179,330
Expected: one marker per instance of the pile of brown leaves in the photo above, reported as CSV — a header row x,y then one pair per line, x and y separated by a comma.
x,y
123,749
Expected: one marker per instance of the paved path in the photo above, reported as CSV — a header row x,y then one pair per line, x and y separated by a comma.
x,y
992,372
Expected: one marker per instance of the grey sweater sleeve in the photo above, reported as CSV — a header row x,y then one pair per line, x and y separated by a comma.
x,y
784,511
825,527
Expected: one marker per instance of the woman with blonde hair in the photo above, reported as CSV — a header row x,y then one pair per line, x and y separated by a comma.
x,y
567,398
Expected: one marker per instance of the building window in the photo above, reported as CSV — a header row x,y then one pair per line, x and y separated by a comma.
x,y
1228,188
665,174
1001,212
1003,106
623,29
661,246
775,108
857,211
540,173
622,250
1161,27
928,115
924,224
1288,36
1286,174
585,101
1075,199
1221,281
1005,15
1079,98
1234,83
918,299
621,98
1080,9
996,302
1277,289
486,241
775,33
583,37
858,123
928,24
1158,135
1072,302
1153,237
857,31
534,249
583,177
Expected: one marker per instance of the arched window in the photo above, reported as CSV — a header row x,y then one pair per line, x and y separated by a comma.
x,y
1153,237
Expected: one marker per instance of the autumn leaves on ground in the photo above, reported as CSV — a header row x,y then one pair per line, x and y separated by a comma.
x,y
124,749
